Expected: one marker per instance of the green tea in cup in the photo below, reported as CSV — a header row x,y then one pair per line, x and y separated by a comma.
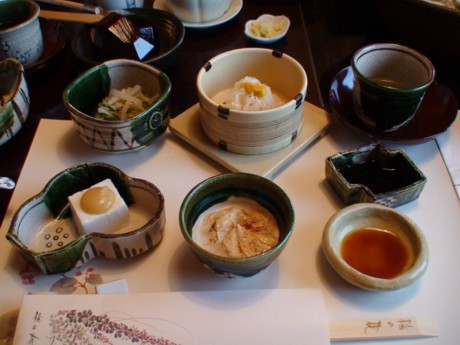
x,y
390,81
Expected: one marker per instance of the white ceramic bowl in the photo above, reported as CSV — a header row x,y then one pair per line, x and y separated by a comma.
x,y
267,28
367,215
244,131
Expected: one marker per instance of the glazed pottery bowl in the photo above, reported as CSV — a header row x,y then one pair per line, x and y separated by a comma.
x,y
222,188
388,267
252,131
21,37
375,174
43,228
83,95
267,28
169,33
14,96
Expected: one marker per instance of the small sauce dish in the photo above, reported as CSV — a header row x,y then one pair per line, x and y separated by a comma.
x,y
375,247
267,28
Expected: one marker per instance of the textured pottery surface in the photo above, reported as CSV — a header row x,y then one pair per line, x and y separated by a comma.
x,y
22,38
252,132
44,231
170,34
14,99
218,189
365,215
82,96
411,179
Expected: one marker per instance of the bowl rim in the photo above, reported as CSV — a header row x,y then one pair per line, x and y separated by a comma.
x,y
365,281
293,102
272,252
112,64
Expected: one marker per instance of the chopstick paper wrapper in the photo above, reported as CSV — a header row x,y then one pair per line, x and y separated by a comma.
x,y
409,327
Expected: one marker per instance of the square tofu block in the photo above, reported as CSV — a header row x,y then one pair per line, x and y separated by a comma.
x,y
114,218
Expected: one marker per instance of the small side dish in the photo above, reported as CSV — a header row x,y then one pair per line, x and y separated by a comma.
x,y
267,28
375,247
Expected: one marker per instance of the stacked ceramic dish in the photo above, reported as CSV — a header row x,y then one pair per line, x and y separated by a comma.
x,y
252,131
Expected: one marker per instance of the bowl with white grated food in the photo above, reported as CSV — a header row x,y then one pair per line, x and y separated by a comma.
x,y
251,100
120,105
237,224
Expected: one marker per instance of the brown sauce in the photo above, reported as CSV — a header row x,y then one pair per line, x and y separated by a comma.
x,y
375,252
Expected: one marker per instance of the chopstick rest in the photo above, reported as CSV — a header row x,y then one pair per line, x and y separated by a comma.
x,y
388,328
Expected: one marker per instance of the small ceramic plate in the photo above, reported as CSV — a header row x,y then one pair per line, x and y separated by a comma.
x,y
54,38
276,24
233,10
187,127
436,113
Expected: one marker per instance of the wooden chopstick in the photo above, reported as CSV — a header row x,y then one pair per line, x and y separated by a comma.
x,y
75,6
72,17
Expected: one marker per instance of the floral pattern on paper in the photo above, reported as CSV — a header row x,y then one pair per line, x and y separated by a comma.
x,y
85,328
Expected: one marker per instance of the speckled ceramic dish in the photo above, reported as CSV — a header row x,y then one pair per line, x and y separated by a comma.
x,y
83,95
382,220
14,98
375,174
44,231
220,188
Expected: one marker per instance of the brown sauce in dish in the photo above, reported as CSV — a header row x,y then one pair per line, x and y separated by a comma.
x,y
375,252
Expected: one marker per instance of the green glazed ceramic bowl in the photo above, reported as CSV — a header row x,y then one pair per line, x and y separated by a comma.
x,y
83,95
14,109
44,231
365,215
374,174
220,188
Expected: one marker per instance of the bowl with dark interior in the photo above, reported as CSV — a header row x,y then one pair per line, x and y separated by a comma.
x,y
55,235
120,105
375,247
374,173
160,32
236,224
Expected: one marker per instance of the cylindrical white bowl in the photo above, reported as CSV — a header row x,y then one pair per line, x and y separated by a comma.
x,y
252,132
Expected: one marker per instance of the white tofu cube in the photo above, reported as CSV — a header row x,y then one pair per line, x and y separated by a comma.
x,y
113,219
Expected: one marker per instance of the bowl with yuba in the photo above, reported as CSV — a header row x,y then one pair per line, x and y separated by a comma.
x,y
375,247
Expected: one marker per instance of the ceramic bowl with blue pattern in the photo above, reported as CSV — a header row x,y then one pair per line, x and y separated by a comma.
x,y
87,91
44,230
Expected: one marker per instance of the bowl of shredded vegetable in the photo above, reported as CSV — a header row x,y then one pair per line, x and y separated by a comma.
x,y
120,105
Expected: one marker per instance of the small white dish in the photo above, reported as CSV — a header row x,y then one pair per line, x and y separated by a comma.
x,y
233,10
279,25
187,127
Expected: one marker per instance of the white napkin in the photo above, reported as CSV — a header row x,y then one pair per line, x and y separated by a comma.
x,y
449,145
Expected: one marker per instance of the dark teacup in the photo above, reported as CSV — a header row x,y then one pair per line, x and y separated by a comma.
x,y
390,81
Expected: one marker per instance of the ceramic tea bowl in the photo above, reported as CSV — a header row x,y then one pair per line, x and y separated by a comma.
x,y
376,174
398,254
221,188
83,95
43,228
20,32
246,130
14,98
198,11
